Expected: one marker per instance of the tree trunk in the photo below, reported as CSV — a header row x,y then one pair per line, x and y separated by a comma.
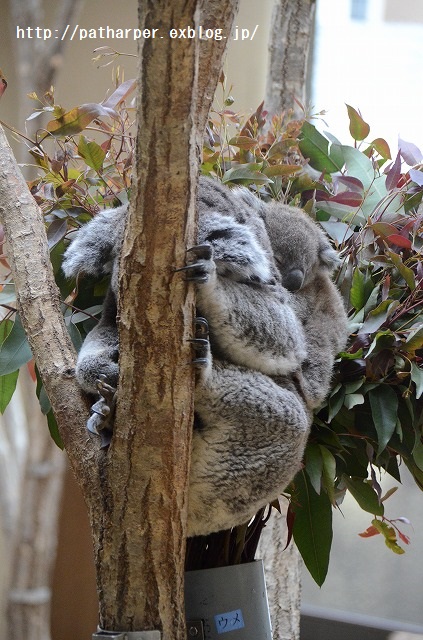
x,y
150,451
289,49
287,78
283,578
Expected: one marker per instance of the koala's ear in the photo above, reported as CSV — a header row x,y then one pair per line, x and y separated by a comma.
x,y
328,256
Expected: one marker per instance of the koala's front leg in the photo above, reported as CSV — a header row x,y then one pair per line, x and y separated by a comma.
x,y
99,353
252,325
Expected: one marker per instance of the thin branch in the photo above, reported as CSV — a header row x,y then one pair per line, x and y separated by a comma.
x,y
39,307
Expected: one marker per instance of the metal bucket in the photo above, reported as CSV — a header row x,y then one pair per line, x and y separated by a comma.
x,y
228,600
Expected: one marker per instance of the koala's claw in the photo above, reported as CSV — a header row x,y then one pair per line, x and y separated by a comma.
x,y
198,271
102,412
202,348
201,344
204,251
201,328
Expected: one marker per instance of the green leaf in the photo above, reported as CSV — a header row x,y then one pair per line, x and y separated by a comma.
x,y
353,399
7,294
357,294
359,166
7,388
384,406
364,494
314,465
92,153
415,339
75,335
417,378
358,128
6,327
344,355
329,473
312,527
335,402
315,146
377,317
405,272
15,350
54,431
246,173
418,453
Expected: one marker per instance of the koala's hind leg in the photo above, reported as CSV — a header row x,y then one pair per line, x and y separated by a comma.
x,y
247,446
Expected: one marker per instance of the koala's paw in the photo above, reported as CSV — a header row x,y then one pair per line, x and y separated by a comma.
x,y
201,346
203,267
103,411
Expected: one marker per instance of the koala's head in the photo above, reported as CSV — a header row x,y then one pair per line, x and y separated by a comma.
x,y
301,249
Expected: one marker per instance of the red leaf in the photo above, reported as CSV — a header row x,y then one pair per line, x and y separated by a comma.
x,y
347,197
370,532
354,184
31,368
290,517
394,173
399,241
404,538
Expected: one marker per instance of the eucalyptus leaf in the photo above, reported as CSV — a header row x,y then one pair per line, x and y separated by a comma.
x,y
377,317
353,399
365,495
384,407
7,388
315,147
15,350
312,529
7,294
314,466
417,378
357,294
328,472
246,173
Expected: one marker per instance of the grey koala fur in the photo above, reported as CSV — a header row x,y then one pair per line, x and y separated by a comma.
x,y
273,350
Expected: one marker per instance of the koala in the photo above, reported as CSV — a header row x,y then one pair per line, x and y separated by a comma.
x,y
306,261
264,373
241,275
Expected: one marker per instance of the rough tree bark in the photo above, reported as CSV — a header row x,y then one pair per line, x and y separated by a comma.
x,y
154,413
287,78
289,49
147,455
283,578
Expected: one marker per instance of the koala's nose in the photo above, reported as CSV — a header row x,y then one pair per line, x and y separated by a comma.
x,y
293,280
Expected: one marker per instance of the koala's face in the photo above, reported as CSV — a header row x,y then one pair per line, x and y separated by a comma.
x,y
301,249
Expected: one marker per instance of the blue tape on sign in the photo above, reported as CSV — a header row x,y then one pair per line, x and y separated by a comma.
x,y
229,621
